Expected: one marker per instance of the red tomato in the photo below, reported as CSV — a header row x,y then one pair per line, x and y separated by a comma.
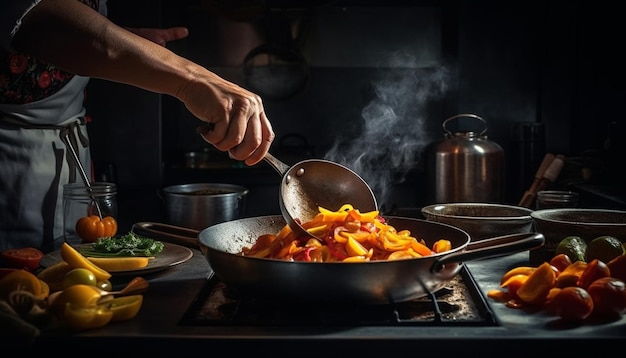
x,y
595,269
23,258
573,304
609,296
617,266
561,261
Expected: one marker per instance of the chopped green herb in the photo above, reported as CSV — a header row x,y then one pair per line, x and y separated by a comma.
x,y
130,244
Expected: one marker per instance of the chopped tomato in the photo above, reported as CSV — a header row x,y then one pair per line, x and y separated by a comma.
x,y
26,258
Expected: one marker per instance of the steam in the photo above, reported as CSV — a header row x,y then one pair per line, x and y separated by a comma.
x,y
393,132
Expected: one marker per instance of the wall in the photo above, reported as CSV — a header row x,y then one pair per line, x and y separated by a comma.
x,y
532,62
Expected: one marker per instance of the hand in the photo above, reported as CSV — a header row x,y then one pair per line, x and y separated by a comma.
x,y
161,36
236,119
238,122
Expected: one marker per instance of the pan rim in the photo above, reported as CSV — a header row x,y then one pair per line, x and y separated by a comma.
x,y
431,212
435,256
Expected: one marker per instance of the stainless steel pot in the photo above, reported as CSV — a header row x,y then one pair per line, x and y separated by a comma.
x,y
375,282
199,205
466,166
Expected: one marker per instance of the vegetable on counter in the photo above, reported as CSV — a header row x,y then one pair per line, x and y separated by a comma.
x,y
75,259
82,297
572,287
116,264
26,258
91,228
131,244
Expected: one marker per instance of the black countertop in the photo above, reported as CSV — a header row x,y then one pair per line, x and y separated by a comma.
x,y
156,330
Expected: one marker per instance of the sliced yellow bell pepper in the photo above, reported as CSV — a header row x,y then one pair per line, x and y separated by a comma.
x,y
354,248
82,318
76,259
442,245
123,308
538,284
519,270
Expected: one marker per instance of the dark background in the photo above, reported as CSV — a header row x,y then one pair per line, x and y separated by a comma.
x,y
382,77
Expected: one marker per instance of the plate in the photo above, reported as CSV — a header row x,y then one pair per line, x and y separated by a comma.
x,y
171,255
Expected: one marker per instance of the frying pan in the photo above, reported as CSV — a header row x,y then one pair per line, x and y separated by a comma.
x,y
374,282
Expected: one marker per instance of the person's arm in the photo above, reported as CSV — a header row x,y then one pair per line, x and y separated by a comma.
x,y
76,38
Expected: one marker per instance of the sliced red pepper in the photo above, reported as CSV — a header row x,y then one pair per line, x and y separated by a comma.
x,y
304,255
333,248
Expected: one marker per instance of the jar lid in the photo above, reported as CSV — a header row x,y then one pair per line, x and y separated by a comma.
x,y
97,189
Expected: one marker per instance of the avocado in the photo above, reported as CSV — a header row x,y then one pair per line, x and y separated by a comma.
x,y
574,247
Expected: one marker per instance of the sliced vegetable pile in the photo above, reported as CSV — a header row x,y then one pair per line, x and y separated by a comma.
x,y
346,235
573,289
75,293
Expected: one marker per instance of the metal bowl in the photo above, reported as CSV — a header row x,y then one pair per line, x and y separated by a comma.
x,y
481,220
198,205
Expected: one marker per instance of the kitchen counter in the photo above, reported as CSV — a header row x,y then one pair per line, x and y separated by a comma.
x,y
155,331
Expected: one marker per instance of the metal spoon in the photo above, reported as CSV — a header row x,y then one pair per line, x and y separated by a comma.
x,y
81,170
312,183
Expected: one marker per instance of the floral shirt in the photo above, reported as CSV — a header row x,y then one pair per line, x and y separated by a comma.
x,y
25,79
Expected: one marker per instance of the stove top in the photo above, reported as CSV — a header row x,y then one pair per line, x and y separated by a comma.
x,y
459,303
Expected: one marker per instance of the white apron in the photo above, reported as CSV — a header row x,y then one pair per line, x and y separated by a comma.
x,y
35,163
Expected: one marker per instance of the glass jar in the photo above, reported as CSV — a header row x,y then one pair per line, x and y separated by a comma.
x,y
80,201
548,199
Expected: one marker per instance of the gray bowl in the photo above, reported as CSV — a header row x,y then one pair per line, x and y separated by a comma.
x,y
556,224
481,220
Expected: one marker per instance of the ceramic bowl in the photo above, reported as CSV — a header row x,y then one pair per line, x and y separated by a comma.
x,y
556,224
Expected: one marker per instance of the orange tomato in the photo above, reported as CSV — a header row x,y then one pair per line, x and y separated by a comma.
x,y
91,228
573,304
609,296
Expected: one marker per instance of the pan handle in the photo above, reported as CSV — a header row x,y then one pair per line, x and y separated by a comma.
x,y
170,233
492,247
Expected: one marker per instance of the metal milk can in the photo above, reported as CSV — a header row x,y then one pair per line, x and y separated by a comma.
x,y
465,167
